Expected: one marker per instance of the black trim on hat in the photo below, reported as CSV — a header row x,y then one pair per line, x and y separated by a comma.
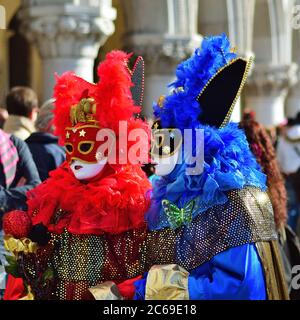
x,y
218,97
138,80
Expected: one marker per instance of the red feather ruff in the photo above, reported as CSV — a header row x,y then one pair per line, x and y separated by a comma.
x,y
113,204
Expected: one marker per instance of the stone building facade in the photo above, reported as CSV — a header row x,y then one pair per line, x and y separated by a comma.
x,y
47,36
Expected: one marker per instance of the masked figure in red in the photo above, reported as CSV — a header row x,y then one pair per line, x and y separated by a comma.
x,y
85,224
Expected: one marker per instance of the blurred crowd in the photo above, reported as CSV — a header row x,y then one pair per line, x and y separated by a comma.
x,y
277,150
29,151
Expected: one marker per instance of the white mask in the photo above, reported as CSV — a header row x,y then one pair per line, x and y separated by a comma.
x,y
165,165
85,171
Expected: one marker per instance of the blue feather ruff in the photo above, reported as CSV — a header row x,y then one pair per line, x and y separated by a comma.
x,y
228,164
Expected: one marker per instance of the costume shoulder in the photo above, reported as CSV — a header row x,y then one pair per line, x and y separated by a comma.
x,y
246,217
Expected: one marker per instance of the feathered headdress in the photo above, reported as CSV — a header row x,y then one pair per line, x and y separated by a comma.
x,y
83,108
116,97
207,87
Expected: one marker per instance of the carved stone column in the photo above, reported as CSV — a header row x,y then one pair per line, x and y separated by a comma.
x,y
240,25
293,99
274,73
2,18
267,89
292,106
240,28
67,33
235,18
164,33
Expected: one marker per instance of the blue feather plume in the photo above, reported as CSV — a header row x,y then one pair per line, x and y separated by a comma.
x,y
180,109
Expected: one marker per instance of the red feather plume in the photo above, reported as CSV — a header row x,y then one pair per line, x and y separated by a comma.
x,y
112,95
68,91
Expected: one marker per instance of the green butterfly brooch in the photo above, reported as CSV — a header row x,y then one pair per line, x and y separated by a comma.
x,y
178,216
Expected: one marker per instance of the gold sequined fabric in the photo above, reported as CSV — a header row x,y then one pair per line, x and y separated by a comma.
x,y
246,217
273,269
98,258
80,262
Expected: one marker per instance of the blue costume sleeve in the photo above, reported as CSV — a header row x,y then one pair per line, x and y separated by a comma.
x,y
140,288
235,274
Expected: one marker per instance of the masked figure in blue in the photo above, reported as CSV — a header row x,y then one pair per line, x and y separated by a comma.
x,y
211,223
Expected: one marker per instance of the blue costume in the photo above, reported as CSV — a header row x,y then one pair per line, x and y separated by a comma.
x,y
222,219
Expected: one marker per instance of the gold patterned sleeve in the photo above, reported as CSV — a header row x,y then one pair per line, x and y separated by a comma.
x,y
105,291
167,282
17,246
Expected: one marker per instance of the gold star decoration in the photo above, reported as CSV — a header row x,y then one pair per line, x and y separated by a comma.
x,y
82,133
155,125
68,135
161,101
166,149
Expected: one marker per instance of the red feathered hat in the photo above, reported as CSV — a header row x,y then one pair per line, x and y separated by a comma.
x,y
83,108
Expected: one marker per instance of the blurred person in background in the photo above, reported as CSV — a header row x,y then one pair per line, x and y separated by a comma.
x,y
288,154
18,174
261,145
3,117
46,152
273,134
22,107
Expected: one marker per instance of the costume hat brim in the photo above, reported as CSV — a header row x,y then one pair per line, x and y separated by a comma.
x,y
138,80
218,97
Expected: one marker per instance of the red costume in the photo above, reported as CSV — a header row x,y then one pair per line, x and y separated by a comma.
x,y
85,232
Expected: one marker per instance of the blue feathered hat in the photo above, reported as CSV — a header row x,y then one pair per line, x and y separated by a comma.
x,y
207,87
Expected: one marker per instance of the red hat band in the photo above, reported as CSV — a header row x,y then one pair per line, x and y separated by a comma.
x,y
81,139
82,108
